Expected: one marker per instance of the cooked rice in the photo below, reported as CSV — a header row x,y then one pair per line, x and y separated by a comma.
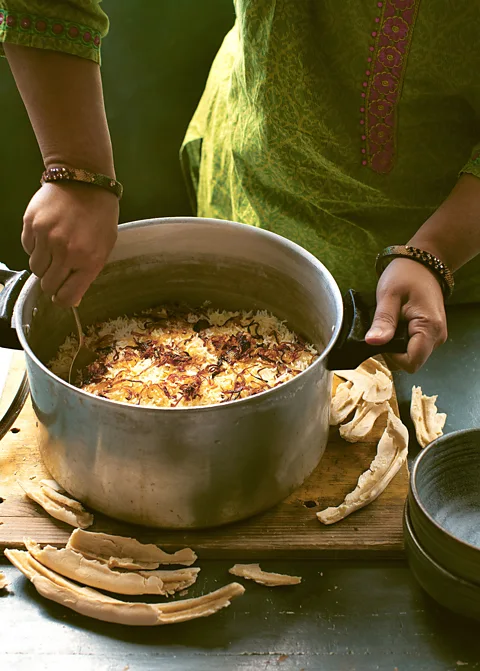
x,y
176,357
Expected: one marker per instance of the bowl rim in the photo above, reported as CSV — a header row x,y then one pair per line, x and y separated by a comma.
x,y
410,531
414,489
285,387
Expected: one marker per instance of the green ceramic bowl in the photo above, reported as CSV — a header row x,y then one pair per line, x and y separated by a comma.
x,y
444,502
447,589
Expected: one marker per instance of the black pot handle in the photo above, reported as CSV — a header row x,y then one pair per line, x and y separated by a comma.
x,y
351,349
13,282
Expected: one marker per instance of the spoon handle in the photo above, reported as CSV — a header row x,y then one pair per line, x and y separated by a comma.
x,y
79,327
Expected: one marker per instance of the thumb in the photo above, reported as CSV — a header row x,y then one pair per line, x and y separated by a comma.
x,y
385,320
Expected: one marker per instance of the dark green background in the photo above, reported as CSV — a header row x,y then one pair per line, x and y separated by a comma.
x,y
155,63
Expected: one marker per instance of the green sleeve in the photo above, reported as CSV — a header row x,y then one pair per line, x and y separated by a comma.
x,y
472,166
75,26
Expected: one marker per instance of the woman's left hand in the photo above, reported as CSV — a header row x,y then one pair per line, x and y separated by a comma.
x,y
410,291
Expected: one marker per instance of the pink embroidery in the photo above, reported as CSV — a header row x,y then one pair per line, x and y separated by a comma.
x,y
385,82
403,4
381,134
33,24
385,73
396,29
381,108
390,57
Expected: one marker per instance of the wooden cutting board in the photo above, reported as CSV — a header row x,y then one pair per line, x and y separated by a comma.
x,y
290,530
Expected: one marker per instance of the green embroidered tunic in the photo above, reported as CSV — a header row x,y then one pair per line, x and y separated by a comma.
x,y
341,125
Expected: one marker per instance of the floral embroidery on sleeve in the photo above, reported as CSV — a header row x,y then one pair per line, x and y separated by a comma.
x,y
30,25
383,82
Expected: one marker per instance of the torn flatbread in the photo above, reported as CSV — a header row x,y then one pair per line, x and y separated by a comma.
x,y
53,484
254,572
375,386
381,389
126,563
3,581
391,455
61,499
92,573
175,580
109,548
363,422
89,602
172,576
373,365
344,402
75,517
371,382
428,422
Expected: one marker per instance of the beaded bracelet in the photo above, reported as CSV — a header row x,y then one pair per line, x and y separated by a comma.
x,y
80,175
442,272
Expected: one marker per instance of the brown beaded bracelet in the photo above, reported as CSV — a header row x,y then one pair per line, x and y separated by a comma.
x,y
442,272
80,175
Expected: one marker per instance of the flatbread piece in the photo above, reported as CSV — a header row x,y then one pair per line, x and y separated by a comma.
x,y
254,572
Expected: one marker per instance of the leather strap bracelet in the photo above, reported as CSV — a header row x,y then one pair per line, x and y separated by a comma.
x,y
80,175
442,272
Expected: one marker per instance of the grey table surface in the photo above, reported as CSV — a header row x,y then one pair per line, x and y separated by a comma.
x,y
343,617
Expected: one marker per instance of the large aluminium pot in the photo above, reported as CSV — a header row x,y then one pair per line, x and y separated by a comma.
x,y
188,467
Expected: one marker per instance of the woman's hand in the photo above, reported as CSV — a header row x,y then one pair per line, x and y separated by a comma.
x,y
410,291
69,231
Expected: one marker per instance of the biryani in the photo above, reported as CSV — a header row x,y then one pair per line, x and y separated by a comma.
x,y
180,357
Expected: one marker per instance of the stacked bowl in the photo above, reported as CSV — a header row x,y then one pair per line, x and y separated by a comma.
x,y
442,521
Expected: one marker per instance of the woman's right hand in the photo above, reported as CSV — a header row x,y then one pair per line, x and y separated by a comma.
x,y
410,291
69,231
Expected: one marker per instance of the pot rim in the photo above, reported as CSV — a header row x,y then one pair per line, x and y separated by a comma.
x,y
145,223
414,489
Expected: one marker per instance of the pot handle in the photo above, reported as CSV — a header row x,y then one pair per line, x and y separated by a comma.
x,y
351,349
13,282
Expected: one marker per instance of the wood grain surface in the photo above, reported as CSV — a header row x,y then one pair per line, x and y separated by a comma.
x,y
290,530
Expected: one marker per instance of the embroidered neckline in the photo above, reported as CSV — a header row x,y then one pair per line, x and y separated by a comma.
x,y
382,87
48,27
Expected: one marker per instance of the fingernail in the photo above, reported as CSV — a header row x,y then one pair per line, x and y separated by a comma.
x,y
375,332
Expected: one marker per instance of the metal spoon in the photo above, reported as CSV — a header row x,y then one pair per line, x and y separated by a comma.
x,y
84,356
